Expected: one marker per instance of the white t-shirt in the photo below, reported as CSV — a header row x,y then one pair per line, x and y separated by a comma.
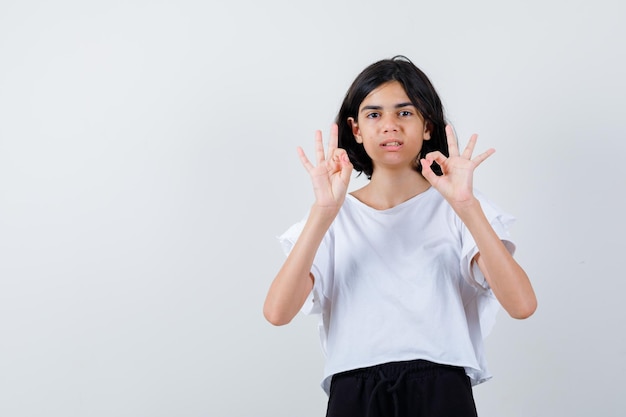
x,y
399,284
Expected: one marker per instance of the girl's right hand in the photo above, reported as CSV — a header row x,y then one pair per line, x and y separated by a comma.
x,y
331,175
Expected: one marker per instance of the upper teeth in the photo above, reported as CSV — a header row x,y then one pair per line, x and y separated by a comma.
x,y
392,144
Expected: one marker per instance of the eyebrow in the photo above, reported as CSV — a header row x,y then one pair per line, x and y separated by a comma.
x,y
397,106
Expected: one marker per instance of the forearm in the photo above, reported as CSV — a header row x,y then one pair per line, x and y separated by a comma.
x,y
294,281
505,276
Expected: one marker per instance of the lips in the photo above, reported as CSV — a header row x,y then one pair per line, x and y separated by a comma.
x,y
391,143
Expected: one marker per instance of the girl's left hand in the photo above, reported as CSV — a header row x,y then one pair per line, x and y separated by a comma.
x,y
456,183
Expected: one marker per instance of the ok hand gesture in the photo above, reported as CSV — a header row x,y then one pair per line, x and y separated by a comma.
x,y
456,183
331,175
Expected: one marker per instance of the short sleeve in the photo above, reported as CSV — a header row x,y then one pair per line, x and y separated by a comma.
x,y
500,222
287,240
484,302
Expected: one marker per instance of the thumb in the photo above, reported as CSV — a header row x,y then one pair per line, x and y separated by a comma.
x,y
346,168
427,171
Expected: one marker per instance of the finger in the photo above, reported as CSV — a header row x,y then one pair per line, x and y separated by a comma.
x,y
334,138
480,158
469,149
453,147
427,171
319,147
346,167
436,156
333,164
338,159
304,160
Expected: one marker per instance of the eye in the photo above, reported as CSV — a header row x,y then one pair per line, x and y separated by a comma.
x,y
373,115
405,113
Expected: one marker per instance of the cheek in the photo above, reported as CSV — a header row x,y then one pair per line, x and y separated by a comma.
x,y
369,147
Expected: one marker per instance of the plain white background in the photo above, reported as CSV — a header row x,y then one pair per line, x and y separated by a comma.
x,y
148,161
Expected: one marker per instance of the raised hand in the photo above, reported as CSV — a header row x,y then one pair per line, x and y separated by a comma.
x,y
331,175
456,183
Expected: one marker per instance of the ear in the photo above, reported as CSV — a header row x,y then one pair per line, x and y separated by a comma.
x,y
426,134
355,130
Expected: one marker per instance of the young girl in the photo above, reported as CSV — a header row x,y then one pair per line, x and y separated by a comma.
x,y
408,271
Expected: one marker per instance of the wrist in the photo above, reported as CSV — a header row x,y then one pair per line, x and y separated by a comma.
x,y
323,214
467,208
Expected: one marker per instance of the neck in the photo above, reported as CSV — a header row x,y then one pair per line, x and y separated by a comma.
x,y
386,189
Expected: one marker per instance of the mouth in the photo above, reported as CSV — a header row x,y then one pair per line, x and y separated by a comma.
x,y
391,144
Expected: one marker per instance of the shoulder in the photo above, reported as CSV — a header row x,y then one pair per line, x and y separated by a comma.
x,y
492,210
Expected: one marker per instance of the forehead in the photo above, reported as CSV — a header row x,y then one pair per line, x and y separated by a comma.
x,y
388,94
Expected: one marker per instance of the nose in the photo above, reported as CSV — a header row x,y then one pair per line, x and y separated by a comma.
x,y
390,123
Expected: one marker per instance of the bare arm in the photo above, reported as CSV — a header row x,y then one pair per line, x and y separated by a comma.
x,y
505,276
293,283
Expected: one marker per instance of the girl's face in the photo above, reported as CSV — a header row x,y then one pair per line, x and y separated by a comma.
x,y
390,127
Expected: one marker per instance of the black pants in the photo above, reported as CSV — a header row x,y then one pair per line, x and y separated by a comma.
x,y
402,389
